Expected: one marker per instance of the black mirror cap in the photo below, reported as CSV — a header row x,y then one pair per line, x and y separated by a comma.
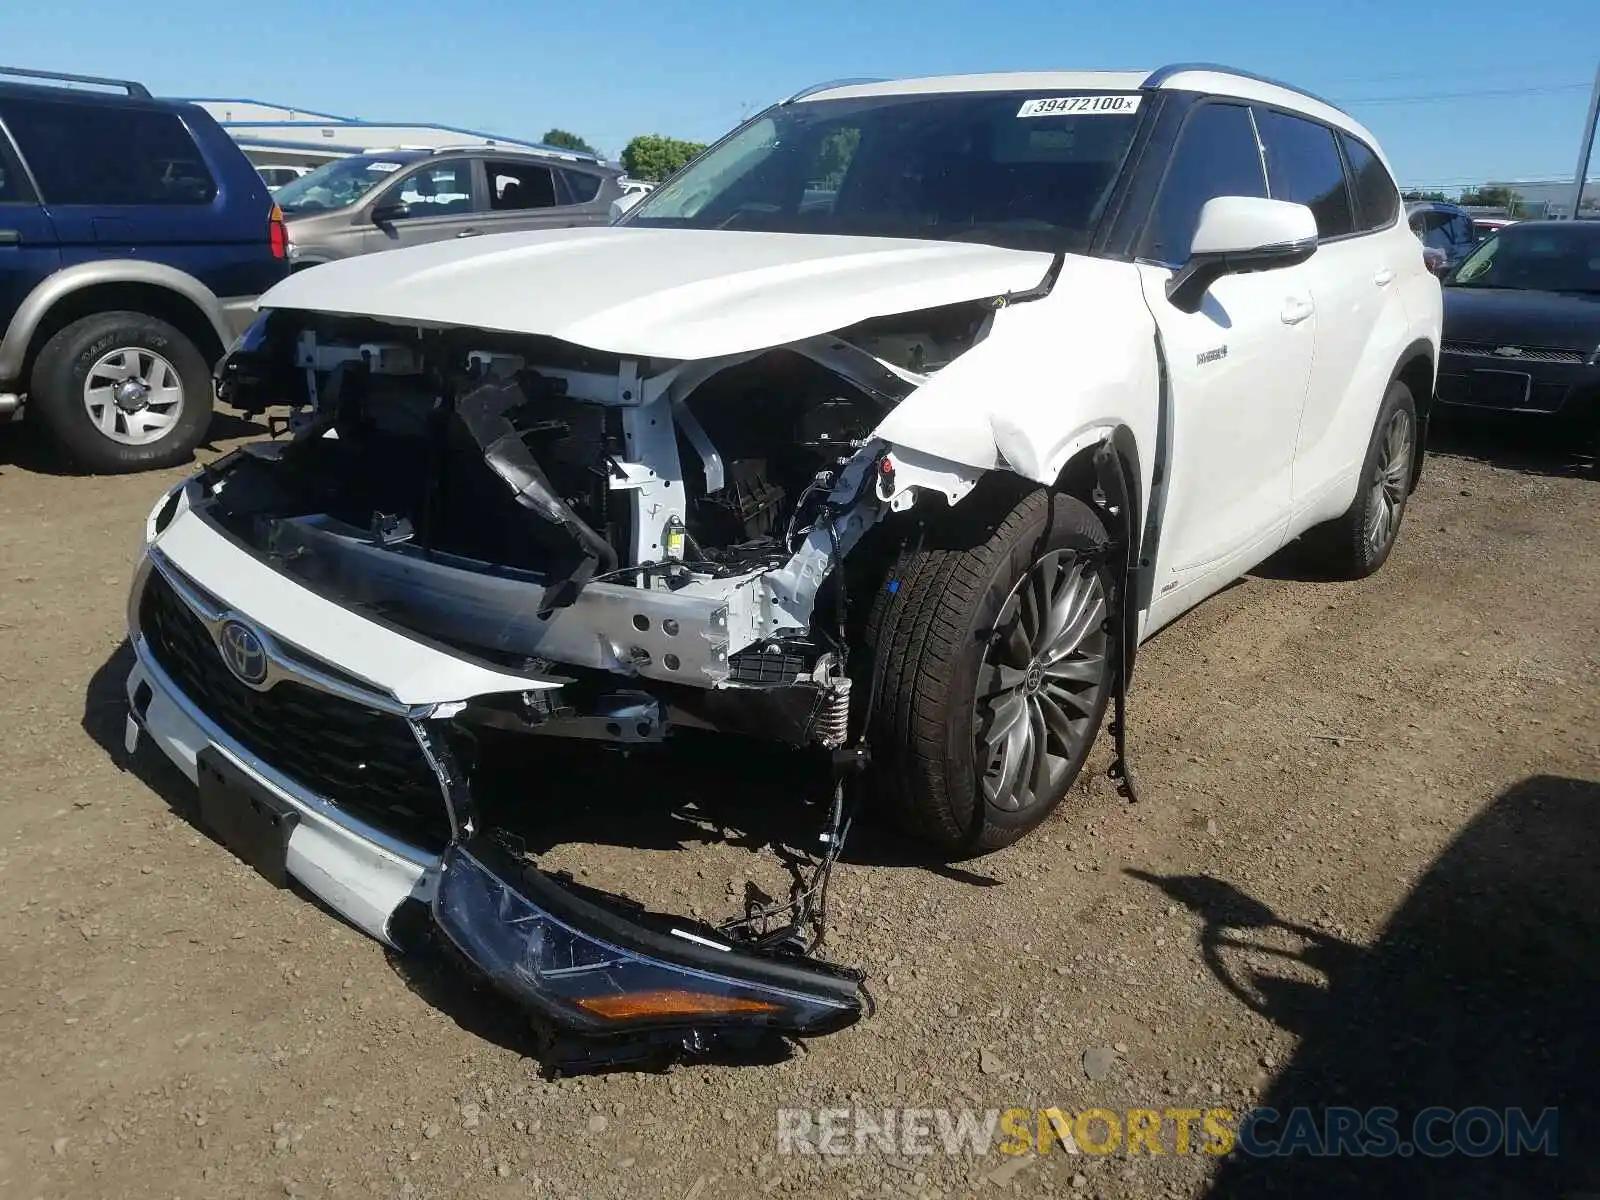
x,y
383,214
1186,289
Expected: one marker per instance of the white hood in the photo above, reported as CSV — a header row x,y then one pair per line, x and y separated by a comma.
x,y
659,293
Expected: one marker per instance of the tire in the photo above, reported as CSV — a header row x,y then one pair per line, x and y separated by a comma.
x,y
949,617
1356,544
91,359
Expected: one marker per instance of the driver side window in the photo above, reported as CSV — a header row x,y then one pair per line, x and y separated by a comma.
x,y
1217,155
434,191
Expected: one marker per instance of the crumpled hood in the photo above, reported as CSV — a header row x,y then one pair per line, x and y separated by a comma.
x,y
659,293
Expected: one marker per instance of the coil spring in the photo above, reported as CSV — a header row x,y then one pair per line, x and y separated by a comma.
x,y
832,726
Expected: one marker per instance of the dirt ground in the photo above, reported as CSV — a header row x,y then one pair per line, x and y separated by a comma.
x,y
1363,872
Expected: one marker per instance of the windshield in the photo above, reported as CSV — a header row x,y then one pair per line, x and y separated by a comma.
x,y
1029,171
339,183
1541,258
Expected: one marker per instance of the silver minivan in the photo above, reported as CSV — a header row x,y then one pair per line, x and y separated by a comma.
x,y
386,199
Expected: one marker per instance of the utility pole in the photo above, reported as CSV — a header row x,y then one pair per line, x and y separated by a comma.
x,y
1585,147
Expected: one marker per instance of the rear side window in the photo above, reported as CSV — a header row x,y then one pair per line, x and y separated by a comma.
x,y
107,154
1377,198
1303,166
582,186
1216,155
516,185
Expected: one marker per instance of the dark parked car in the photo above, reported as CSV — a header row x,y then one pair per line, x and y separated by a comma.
x,y
1443,228
1522,322
385,200
134,238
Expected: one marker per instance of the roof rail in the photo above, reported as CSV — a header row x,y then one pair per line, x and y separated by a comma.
x,y
514,146
133,89
1159,76
830,84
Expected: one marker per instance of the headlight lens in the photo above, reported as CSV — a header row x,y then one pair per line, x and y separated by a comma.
x,y
582,981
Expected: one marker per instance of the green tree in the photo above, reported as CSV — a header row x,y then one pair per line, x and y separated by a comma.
x,y
654,156
1416,195
567,141
1490,197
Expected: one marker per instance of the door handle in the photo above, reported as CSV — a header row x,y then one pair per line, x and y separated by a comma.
x,y
468,233
1384,277
10,237
1296,310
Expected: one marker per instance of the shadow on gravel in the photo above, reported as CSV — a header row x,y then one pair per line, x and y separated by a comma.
x,y
105,716
1481,992
24,447
1517,442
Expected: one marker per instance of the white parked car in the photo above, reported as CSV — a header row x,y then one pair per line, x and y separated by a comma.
x,y
276,176
890,425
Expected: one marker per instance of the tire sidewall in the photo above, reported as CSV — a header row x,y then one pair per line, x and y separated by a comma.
x,y
62,372
1062,523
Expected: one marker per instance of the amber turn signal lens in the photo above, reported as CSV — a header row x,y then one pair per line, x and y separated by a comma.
x,y
670,1002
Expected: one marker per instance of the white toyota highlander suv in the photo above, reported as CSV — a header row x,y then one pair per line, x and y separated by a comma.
x,y
890,425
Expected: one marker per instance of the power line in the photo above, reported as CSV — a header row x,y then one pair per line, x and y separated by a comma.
x,y
1561,65
1432,97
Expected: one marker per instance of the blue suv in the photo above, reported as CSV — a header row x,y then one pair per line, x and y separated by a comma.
x,y
134,239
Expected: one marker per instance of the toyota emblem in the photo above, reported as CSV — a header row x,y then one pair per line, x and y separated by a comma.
x,y
243,652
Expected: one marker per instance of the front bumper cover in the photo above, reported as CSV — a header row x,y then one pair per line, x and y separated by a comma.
x,y
583,965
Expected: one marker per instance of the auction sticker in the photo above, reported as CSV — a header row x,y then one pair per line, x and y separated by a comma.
x,y
1080,106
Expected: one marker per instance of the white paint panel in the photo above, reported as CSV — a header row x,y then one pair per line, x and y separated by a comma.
x,y
659,293
407,669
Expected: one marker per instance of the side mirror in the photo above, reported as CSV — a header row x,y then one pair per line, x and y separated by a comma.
x,y
383,214
1236,234
623,203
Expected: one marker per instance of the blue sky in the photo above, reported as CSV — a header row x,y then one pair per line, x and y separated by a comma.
x,y
609,70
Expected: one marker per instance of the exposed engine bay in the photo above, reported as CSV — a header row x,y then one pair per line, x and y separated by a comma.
x,y
351,635
666,532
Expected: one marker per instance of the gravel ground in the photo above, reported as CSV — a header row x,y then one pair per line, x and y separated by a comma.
x,y
1362,872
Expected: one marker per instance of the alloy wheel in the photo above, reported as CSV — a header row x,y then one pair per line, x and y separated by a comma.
x,y
1041,683
1390,482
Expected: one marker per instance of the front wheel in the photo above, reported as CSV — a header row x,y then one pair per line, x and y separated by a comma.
x,y
994,656
1355,544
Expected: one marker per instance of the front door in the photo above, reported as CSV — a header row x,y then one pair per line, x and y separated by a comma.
x,y
29,253
437,201
1237,374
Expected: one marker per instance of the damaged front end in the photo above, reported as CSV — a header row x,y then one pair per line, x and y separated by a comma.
x,y
472,540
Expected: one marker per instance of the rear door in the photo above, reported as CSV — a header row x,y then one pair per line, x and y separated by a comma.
x,y
1355,287
28,250
438,199
524,194
1237,372
127,179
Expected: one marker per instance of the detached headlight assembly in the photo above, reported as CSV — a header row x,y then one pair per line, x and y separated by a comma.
x,y
592,971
